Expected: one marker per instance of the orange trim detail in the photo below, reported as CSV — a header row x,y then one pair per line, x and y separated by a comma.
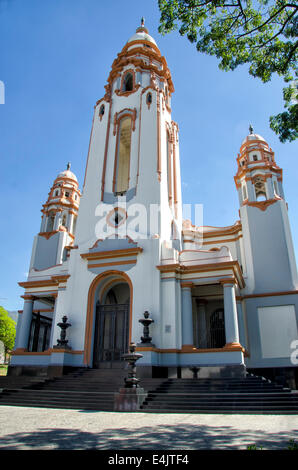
x,y
267,294
106,152
189,349
158,138
228,281
111,253
233,347
186,285
263,205
114,263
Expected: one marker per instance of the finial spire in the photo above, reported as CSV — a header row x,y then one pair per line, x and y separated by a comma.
x,y
68,166
251,131
142,22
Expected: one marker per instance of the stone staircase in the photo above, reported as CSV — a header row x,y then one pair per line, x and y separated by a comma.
x,y
249,395
84,389
93,389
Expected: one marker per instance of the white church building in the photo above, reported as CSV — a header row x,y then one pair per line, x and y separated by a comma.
x,y
223,299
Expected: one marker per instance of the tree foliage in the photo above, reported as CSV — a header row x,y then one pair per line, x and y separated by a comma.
x,y
7,330
261,33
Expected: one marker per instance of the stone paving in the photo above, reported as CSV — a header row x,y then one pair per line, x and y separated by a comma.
x,y
24,428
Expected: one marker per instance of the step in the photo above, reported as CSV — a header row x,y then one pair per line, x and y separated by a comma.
x,y
49,400
223,411
245,406
178,404
61,406
56,393
221,393
225,400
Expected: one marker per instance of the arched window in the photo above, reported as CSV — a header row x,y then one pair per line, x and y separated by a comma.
x,y
74,224
244,192
169,167
260,189
102,110
51,221
128,82
63,220
122,163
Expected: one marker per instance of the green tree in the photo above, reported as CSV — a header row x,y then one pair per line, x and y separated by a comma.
x,y
261,33
7,330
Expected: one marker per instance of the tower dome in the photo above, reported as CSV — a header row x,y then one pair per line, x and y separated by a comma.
x,y
142,34
67,174
253,138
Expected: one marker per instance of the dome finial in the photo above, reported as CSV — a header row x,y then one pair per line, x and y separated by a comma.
x,y
251,130
142,28
68,166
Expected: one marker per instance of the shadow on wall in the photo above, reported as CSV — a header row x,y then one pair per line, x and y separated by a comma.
x,y
160,437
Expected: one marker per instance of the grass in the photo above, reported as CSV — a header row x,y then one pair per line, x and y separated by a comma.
x,y
3,369
292,445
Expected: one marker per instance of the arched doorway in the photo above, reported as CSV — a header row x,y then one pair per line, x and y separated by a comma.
x,y
111,334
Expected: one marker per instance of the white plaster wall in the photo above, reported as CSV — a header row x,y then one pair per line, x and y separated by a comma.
x,y
269,259
171,314
278,328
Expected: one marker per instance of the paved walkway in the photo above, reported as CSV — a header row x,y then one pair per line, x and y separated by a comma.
x,y
55,429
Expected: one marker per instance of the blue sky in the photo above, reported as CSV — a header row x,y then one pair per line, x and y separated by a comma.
x,y
55,59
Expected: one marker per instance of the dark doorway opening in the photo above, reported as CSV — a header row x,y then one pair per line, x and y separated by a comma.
x,y
112,328
40,332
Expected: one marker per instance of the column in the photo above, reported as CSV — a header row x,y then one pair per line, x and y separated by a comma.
x,y
57,220
269,188
70,221
43,223
241,323
230,308
18,328
202,330
187,323
24,329
54,321
250,191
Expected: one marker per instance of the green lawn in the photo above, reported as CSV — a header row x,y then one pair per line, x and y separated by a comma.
x,y
3,369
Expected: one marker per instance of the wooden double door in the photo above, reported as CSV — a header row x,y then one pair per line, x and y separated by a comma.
x,y
111,335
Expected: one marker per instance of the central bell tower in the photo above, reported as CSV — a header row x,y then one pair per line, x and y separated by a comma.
x,y
133,170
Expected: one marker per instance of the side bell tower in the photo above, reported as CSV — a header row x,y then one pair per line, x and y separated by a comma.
x,y
58,223
267,237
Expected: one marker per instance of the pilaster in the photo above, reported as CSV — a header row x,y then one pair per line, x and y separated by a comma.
x,y
24,327
187,321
